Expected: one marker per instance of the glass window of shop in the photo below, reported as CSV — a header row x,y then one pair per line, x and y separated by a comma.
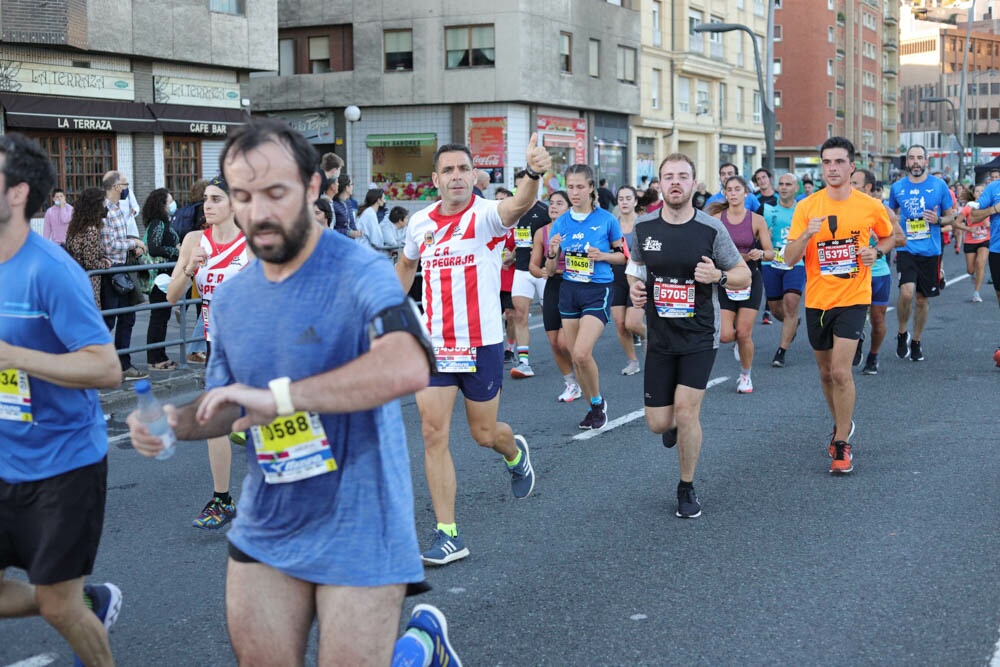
x,y
181,164
81,160
645,158
402,165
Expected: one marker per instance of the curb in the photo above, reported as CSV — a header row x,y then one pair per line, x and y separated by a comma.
x,y
165,385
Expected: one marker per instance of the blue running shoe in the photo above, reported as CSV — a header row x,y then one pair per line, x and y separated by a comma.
x,y
106,603
445,549
522,476
431,621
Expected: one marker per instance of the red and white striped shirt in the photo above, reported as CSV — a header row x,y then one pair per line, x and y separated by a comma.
x,y
223,262
460,260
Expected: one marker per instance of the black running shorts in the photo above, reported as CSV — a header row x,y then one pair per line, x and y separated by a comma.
x,y
51,528
664,372
823,325
924,271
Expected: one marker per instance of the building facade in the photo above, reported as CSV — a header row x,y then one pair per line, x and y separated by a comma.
x,y
425,73
699,90
150,89
836,74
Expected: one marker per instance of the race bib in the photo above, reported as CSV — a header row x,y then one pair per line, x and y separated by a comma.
x,y
837,257
455,359
738,294
579,267
15,396
779,260
522,237
673,297
980,232
917,229
293,448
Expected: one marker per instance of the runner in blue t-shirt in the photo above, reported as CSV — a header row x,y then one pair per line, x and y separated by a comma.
x,y
325,521
726,171
923,203
783,284
55,352
989,207
590,239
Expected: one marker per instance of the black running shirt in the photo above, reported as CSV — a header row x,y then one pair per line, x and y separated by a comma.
x,y
536,218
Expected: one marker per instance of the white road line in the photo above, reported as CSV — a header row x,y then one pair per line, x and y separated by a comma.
x,y
949,283
632,416
118,438
995,660
39,660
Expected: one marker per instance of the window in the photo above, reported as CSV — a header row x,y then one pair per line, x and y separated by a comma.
x,y
695,41
594,53
469,46
829,34
777,131
234,7
777,67
626,64
739,49
398,50
740,94
566,52
654,93
777,99
758,7
715,40
684,94
868,50
316,50
657,31
181,164
81,160
829,131
829,100
703,99
829,5
757,100
777,33
722,102
829,68
740,4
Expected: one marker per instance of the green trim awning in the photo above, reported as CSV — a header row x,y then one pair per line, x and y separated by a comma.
x,y
400,140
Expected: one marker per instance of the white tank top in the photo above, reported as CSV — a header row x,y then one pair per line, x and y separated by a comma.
x,y
223,261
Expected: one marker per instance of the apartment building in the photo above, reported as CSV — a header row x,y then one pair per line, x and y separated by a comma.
x,y
412,76
150,89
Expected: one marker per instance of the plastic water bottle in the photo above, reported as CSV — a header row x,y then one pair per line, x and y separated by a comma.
x,y
151,414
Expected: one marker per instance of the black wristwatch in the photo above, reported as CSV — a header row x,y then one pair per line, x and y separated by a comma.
x,y
531,173
723,279
879,254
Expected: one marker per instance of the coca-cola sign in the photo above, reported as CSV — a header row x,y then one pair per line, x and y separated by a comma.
x,y
488,141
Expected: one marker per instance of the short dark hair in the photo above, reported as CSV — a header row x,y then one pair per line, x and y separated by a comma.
x,y
27,162
343,181
920,146
839,142
502,190
398,213
729,164
155,206
869,177
602,182
56,191
261,130
324,206
767,171
451,148
588,173
331,161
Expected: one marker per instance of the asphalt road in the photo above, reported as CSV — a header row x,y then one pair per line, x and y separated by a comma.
x,y
895,564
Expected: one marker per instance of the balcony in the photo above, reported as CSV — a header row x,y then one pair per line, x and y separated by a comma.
x,y
889,71
890,46
890,19
840,81
889,123
889,98
840,113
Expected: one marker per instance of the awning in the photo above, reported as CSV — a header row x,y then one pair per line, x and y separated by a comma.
x,y
79,115
184,119
400,140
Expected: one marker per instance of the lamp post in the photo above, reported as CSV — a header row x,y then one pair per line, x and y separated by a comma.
x,y
352,114
767,100
954,123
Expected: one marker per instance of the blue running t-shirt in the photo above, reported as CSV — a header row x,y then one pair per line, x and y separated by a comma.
x,y
990,198
348,526
912,199
598,230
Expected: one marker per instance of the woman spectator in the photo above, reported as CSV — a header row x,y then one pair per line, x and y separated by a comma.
x,y
83,236
371,234
163,242
322,212
343,214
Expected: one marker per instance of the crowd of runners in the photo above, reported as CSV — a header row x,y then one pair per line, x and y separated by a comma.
x,y
323,531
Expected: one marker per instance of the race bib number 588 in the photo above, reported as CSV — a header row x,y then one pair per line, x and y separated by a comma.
x,y
293,448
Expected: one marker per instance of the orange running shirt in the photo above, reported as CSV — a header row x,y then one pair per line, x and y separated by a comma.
x,y
834,276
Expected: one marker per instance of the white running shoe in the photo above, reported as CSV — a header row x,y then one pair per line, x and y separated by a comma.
x,y
521,371
736,351
976,298
744,384
632,368
571,393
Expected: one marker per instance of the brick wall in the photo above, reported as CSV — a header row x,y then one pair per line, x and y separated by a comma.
x,y
57,22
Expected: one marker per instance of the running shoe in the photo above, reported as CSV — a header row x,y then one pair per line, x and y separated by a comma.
x,y
779,358
833,434
871,366
766,318
744,385
238,438
445,549
842,458
903,345
571,393
105,600
430,621
636,340
600,415
215,515
976,298
632,368
508,356
688,506
522,476
916,354
521,371
857,351
669,437
588,421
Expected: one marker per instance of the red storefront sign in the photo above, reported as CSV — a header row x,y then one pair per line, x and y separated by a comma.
x,y
488,141
565,132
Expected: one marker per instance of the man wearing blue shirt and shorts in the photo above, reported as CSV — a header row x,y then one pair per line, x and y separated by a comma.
x,y
783,284
55,352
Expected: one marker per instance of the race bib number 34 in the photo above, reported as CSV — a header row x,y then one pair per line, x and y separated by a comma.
x,y
293,448
15,396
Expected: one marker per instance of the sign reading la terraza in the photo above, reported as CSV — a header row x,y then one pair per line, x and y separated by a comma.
x,y
193,92
17,76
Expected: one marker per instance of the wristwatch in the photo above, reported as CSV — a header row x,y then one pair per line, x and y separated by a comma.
x,y
879,254
723,279
531,173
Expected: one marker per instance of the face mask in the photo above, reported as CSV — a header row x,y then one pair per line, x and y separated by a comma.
x,y
58,202
172,208
124,194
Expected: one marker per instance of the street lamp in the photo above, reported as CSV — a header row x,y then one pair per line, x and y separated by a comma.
x,y
352,115
954,123
767,104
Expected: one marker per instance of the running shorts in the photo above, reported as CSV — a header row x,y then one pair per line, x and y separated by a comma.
x,y
664,372
920,270
845,322
484,384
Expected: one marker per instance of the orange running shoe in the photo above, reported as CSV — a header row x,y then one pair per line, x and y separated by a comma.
x,y
841,463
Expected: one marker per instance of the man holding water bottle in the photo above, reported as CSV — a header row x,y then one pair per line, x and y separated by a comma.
x,y
55,351
831,230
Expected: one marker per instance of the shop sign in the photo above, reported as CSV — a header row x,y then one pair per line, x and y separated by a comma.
x,y
17,76
316,126
488,141
196,92
567,132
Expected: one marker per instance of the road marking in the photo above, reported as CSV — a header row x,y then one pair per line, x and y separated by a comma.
x,y
118,438
39,660
949,283
995,660
632,416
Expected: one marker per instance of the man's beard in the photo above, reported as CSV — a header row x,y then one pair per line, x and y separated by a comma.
x,y
293,241
677,206
916,170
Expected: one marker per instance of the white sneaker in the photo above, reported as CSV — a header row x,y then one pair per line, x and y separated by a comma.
x,y
571,393
744,385
976,298
632,368
521,371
